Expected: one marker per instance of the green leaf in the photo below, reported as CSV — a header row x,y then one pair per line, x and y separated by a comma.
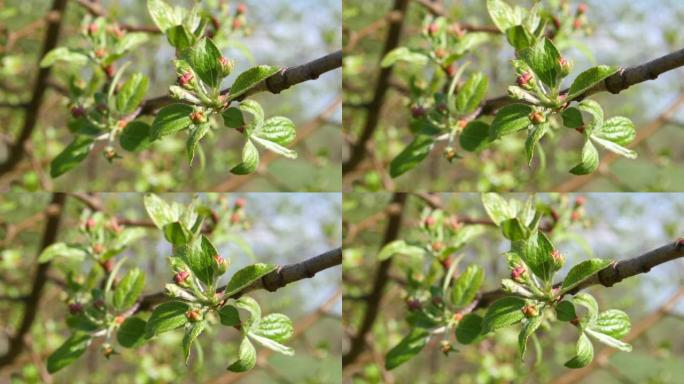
x,y
204,57
404,54
584,354
502,14
229,316
514,230
475,136
533,137
502,313
609,340
594,109
272,344
62,250
469,328
275,326
246,359
589,162
176,234
275,147
279,130
171,119
199,257
613,323
131,334
565,311
529,326
232,118
166,317
163,15
519,38
471,94
179,37
510,119
254,109
411,156
467,285
191,334
129,288
130,41
250,305
615,148
587,301
408,347
589,78
63,54
583,271
159,211
572,118
399,247
619,130
536,253
131,93
136,136
71,156
250,160
247,276
497,207
250,78
68,352
196,134
543,59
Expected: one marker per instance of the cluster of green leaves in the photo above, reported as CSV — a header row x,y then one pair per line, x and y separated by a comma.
x,y
197,300
103,305
447,107
440,302
104,110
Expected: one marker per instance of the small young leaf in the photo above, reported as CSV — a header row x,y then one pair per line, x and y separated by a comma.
x,y
163,15
171,119
279,130
275,326
590,160
502,313
572,118
514,230
275,147
510,119
68,352
131,334
130,41
179,37
254,109
246,359
196,134
272,344
411,156
584,354
136,136
620,130
583,271
62,250
609,341
565,311
250,160
497,207
543,58
469,328
232,118
399,247
615,148
502,14
467,285
159,210
519,38
250,305
166,317
198,255
204,57
131,93
472,92
587,301
594,109
71,156
247,276
404,54
250,78
191,334
589,78
128,289
63,54
534,136
475,136
176,233
229,316
408,347
535,251
613,323
529,326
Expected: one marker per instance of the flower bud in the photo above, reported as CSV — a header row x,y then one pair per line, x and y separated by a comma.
x,y
429,222
456,30
99,304
446,347
75,308
226,66
77,111
417,111
558,259
193,315
241,9
537,117
582,9
92,29
89,224
440,53
107,265
98,248
457,316
565,66
119,319
451,70
432,29
446,263
454,223
221,263
100,53
237,23
198,117
240,203
575,216
518,274
107,350
235,218
115,226
530,310
185,80
437,246
413,304
523,80
680,242
580,200
577,23
110,70
181,277
116,31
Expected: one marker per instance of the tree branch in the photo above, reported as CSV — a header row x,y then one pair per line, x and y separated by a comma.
x,y
16,151
16,342
381,277
279,278
282,80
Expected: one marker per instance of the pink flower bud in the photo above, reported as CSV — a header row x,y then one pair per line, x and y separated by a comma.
x,y
98,248
180,277
451,70
226,66
457,316
77,111
582,9
185,79
417,111
241,9
524,79
413,304
429,221
235,218
530,310
193,315
198,117
440,53
92,29
75,308
110,70
90,224
240,203
432,29
237,23
437,246
100,53
537,117
580,200
107,265
518,274
221,263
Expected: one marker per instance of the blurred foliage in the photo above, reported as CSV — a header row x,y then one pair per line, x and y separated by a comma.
x,y
281,229
605,229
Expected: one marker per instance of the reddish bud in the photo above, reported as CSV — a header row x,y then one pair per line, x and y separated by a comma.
x,y
558,259
221,263
582,9
524,79
114,225
440,53
454,223
100,53
537,117
237,23
98,248
417,111
99,303
530,310
77,111
680,242
577,23
241,9
446,263
110,70
116,31
565,66
429,221
456,30
185,79
198,117
119,319
437,246
193,315
580,200
240,203
90,224
92,29
451,70
75,308
575,216
107,265
226,66
413,304
457,316
518,273
432,29
556,22
180,277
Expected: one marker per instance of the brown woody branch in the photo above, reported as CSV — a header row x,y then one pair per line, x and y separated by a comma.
x,y
279,278
282,80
